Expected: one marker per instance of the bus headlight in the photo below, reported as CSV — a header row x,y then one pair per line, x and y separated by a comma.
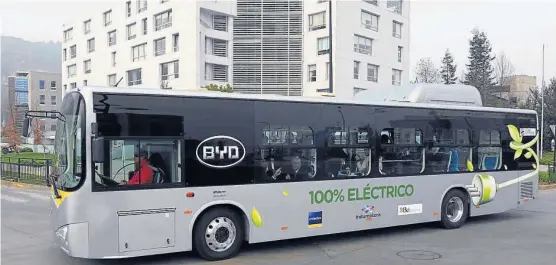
x,y
62,233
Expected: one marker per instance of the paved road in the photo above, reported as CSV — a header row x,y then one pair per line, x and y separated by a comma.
x,y
525,236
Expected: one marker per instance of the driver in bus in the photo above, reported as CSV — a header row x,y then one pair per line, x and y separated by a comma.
x,y
144,173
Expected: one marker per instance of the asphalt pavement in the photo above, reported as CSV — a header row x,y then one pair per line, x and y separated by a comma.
x,y
523,236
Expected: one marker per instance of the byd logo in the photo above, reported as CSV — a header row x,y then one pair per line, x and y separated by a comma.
x,y
405,210
220,152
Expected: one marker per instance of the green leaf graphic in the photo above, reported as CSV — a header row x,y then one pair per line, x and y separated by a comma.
x,y
518,153
469,165
514,133
528,155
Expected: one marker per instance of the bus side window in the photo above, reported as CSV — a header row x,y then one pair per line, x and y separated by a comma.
x,y
401,152
348,152
490,150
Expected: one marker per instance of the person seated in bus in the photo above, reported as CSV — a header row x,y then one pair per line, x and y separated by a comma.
x,y
296,171
144,173
157,163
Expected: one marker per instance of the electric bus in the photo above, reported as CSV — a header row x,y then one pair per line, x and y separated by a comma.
x,y
143,171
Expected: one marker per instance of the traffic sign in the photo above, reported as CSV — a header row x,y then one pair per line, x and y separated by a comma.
x,y
553,129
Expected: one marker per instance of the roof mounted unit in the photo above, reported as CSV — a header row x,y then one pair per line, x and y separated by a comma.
x,y
456,94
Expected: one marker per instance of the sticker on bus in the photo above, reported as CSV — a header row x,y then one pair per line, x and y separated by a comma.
x,y
410,209
315,219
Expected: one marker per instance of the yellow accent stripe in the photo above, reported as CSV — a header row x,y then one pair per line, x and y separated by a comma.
x,y
63,196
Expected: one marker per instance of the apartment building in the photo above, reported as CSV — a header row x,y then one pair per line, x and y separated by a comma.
x,y
268,47
370,46
166,44
35,90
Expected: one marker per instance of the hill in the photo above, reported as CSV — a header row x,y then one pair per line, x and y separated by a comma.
x,y
21,55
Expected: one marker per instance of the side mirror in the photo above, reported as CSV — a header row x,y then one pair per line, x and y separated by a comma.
x,y
25,127
98,150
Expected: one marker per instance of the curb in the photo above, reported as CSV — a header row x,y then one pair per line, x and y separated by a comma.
x,y
21,185
547,187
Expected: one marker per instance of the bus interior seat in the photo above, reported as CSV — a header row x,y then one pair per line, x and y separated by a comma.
x,y
453,161
490,161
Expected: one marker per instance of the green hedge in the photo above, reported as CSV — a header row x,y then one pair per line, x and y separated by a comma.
x,y
547,177
547,158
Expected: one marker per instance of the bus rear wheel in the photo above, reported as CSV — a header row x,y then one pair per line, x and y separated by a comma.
x,y
218,234
455,209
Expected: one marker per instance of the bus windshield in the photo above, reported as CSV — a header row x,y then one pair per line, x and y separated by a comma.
x,y
68,144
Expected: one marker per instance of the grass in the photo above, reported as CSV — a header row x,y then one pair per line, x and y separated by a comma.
x,y
26,157
547,158
23,178
546,177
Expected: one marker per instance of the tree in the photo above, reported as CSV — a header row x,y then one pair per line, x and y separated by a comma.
x,y
503,69
11,134
479,70
38,135
534,102
448,69
426,72
212,87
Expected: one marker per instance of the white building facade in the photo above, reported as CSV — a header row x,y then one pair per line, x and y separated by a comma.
x,y
370,41
151,44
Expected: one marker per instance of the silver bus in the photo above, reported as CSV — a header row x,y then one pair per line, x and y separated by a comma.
x,y
150,171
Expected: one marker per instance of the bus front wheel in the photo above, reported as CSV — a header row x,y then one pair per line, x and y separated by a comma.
x,y
218,234
455,208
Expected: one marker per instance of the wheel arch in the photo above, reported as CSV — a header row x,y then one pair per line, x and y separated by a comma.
x,y
456,187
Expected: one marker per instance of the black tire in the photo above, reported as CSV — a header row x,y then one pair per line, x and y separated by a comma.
x,y
444,220
199,242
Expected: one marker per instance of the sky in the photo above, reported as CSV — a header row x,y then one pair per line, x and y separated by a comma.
x,y
519,28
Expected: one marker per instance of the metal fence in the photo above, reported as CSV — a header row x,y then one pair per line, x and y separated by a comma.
x,y
33,171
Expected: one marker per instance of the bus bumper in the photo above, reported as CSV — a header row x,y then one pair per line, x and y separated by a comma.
x,y
73,239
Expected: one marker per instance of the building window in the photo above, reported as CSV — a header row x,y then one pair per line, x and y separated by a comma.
x,y
42,99
400,48
65,88
107,18
372,72
53,127
71,70
141,5
397,30
216,72
144,26
112,80
112,38
369,21
113,59
139,52
73,85
128,8
73,51
170,70
68,34
394,6
312,72
220,23
396,77
159,46
53,100
327,71
87,26
317,21
176,42
131,31
323,46
87,66
356,69
216,47
134,77
65,54
363,45
91,45
163,20
85,83
374,2
53,85
41,84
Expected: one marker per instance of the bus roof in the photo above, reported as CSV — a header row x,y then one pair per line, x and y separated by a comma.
x,y
362,101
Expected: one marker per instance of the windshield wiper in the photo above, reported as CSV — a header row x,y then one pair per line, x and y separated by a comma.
x,y
56,194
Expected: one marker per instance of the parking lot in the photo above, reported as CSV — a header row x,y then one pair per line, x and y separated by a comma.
x,y
523,236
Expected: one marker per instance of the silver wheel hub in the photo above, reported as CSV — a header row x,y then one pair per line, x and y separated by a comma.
x,y
220,234
454,209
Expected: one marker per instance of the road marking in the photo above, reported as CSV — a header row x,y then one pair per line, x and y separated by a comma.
x,y
33,195
13,199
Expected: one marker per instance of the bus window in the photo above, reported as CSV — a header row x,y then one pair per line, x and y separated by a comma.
x,y
141,162
449,152
490,150
286,153
401,152
348,152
